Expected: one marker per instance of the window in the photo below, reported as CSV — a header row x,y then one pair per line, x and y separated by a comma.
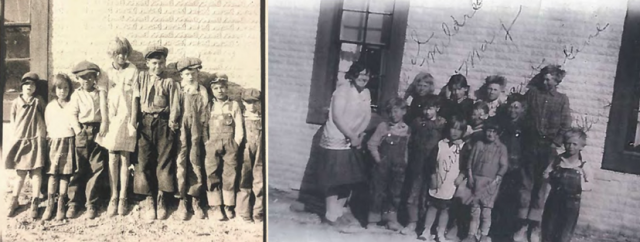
x,y
369,31
25,34
622,143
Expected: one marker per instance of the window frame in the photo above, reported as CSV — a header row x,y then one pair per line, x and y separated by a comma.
x,y
624,103
327,51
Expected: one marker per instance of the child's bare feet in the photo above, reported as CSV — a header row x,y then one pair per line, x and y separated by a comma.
x,y
13,205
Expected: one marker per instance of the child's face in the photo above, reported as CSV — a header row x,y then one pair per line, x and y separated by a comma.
x,y
424,87
219,91
430,112
156,66
252,106
493,91
88,80
458,92
189,75
28,89
550,82
574,144
62,91
120,59
516,109
455,133
362,80
397,113
478,116
491,135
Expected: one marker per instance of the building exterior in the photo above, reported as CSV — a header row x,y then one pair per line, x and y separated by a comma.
x,y
312,43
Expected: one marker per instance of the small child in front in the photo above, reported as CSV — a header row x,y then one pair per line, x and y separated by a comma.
x,y
252,175
445,178
27,152
487,164
388,146
223,139
568,176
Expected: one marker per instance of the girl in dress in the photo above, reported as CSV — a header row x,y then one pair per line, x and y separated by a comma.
x,y
121,138
27,151
62,147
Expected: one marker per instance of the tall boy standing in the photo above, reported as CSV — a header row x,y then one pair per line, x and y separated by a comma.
x,y
157,98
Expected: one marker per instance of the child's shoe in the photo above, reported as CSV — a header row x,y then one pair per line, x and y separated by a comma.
x,y
247,219
394,226
427,237
61,204
470,238
91,211
229,212
410,229
258,217
34,207
161,210
441,237
197,210
217,213
452,234
72,212
111,209
48,212
485,238
182,209
122,206
521,235
535,234
150,211
13,205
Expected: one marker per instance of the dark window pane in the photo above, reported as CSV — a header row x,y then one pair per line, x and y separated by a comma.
x,y
15,70
352,26
355,5
17,42
378,28
381,6
17,11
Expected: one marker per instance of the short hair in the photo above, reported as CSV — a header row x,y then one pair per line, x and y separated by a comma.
x,y
516,97
481,105
354,71
58,79
573,132
396,102
555,70
457,80
495,79
491,123
430,101
119,46
456,121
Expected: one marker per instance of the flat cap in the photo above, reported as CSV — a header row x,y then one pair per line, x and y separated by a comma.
x,y
29,77
85,67
189,63
156,49
250,94
219,78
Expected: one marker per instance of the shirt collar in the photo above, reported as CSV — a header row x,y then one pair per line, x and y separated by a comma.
x,y
120,68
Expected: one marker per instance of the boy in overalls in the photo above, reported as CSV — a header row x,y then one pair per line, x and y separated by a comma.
x,y
224,136
388,147
253,162
194,102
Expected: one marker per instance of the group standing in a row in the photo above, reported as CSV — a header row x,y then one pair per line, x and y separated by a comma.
x,y
86,137
450,157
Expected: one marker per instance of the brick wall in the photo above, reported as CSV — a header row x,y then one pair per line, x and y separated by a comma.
x,y
538,33
224,34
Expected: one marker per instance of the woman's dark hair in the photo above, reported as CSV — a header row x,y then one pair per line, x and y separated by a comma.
x,y
396,102
480,105
58,79
456,121
457,80
354,70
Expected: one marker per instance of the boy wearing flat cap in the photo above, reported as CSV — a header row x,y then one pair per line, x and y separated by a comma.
x,y
252,174
88,107
193,121
224,136
157,98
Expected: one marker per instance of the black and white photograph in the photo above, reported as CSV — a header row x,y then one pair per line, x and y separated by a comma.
x,y
132,120
461,120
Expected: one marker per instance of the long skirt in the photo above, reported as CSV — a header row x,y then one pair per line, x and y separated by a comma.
x,y
340,167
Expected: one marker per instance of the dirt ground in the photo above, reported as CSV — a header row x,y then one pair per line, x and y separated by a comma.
x,y
286,225
119,228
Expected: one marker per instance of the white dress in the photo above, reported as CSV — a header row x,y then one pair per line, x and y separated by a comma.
x,y
122,134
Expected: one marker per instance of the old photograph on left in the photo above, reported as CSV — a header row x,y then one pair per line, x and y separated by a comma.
x,y
132,120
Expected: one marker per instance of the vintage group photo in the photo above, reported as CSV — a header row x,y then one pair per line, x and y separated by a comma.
x,y
464,120
132,120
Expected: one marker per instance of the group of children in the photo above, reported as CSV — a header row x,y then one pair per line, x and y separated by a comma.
x,y
86,138
451,158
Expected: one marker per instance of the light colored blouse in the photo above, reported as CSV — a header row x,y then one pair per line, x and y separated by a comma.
x,y
447,169
86,106
58,121
122,134
356,115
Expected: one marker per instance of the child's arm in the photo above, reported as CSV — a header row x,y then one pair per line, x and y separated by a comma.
x,y
237,118
174,104
503,163
104,112
204,112
587,175
338,105
74,110
376,139
548,170
135,100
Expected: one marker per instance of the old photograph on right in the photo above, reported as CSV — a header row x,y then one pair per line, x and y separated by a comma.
x,y
462,120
